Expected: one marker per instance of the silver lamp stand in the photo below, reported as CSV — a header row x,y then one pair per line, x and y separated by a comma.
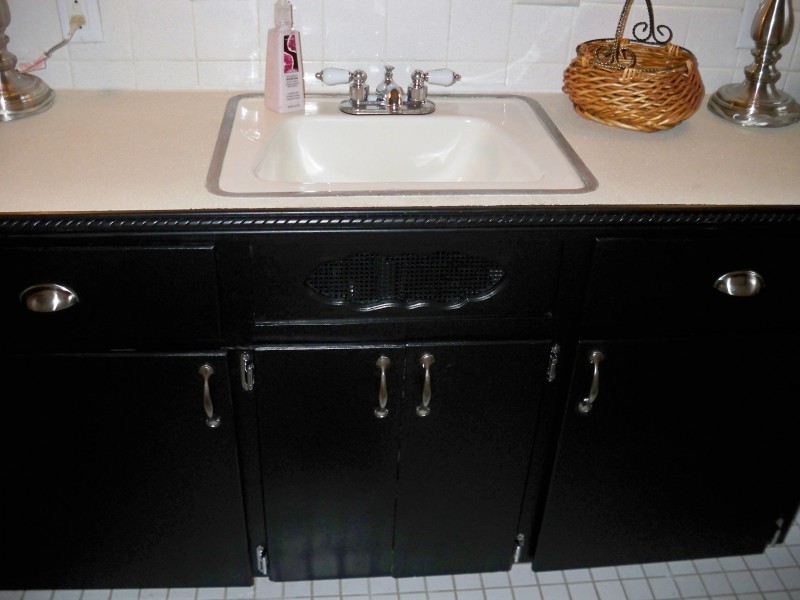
x,y
21,94
756,102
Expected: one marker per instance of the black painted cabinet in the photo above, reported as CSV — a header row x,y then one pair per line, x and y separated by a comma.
x,y
328,463
112,476
430,487
678,432
331,461
687,452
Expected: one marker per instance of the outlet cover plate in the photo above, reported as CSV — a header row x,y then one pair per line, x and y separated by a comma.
x,y
92,30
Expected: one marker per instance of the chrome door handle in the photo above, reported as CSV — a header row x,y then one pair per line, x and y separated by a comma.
x,y
48,297
425,361
212,420
585,405
383,395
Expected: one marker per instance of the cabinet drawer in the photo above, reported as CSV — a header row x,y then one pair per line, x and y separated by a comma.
x,y
669,284
358,276
127,297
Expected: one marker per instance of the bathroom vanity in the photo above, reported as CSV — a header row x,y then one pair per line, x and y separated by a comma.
x,y
229,391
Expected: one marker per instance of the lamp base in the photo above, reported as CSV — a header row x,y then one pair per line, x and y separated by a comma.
x,y
22,95
750,105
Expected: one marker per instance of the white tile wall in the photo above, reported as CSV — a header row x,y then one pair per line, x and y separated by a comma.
x,y
496,45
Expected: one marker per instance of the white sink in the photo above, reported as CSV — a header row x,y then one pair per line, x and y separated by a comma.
x,y
470,144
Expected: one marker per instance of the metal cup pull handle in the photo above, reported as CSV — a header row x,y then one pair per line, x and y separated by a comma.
x,y
383,395
740,283
212,420
48,297
585,405
425,361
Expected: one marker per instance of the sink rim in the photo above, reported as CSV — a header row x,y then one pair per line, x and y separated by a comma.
x,y
214,175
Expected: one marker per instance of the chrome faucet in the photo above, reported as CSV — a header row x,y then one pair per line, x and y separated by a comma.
x,y
389,92
389,98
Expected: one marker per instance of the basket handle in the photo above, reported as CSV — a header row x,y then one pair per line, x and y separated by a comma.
x,y
622,57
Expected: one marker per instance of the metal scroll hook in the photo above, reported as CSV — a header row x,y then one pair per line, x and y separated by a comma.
x,y
648,31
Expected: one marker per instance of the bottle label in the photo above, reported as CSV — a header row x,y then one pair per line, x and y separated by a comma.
x,y
291,60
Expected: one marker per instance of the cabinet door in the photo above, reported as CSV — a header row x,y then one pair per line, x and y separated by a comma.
x,y
329,463
687,452
463,466
113,477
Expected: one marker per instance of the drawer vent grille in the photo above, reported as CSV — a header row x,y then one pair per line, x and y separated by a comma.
x,y
373,281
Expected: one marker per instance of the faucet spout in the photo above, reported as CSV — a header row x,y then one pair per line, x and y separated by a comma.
x,y
386,88
394,100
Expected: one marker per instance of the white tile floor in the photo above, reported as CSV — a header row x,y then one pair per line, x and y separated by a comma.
x,y
774,575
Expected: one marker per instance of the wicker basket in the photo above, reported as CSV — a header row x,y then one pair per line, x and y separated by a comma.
x,y
645,85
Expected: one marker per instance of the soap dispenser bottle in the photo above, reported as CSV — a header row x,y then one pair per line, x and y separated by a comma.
x,y
284,89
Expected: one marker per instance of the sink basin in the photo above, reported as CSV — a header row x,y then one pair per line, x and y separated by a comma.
x,y
469,145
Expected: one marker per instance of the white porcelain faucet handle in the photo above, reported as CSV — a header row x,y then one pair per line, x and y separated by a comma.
x,y
334,76
444,77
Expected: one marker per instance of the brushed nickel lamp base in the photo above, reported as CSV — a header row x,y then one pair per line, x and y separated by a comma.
x,y
756,102
21,94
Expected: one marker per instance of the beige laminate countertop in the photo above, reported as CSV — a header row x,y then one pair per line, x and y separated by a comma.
x,y
119,151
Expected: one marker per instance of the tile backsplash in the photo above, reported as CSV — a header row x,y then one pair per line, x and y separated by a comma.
x,y
496,45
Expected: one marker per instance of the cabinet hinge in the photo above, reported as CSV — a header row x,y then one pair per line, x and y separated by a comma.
x,y
246,371
261,560
776,537
553,362
518,547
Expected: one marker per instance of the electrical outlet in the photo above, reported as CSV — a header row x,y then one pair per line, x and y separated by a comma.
x,y
92,30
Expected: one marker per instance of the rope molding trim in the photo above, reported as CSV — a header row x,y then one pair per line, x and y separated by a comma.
x,y
246,222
